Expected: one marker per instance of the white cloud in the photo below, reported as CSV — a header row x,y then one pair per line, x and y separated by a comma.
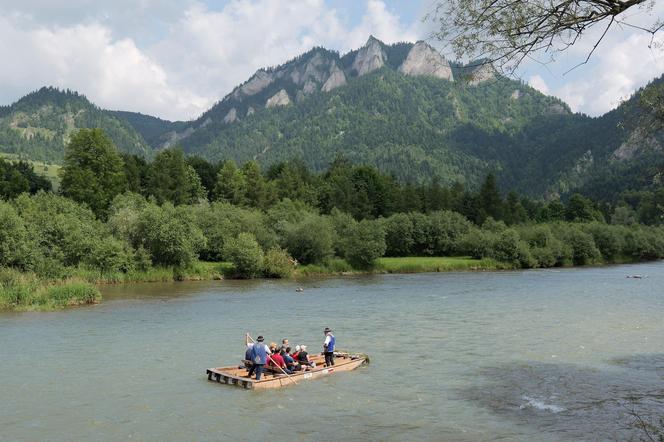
x,y
538,83
112,73
214,51
192,58
614,75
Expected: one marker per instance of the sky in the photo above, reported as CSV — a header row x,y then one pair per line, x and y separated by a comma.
x,y
176,58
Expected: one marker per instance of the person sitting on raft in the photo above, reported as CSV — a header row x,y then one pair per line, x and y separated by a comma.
x,y
291,363
303,357
276,361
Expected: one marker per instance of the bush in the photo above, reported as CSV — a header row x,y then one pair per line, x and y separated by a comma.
x,y
14,248
246,255
311,240
220,222
398,235
169,234
278,263
608,239
363,244
584,250
476,243
446,230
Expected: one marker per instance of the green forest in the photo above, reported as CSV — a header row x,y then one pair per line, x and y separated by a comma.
x,y
117,217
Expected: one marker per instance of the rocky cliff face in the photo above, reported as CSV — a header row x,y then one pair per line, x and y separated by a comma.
x,y
481,73
422,59
281,98
257,83
371,57
337,78
321,70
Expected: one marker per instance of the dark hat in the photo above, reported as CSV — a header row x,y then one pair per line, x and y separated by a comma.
x,y
327,330
259,339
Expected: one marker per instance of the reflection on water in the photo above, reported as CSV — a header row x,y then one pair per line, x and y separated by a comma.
x,y
534,355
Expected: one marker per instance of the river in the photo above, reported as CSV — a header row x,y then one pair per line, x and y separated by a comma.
x,y
527,355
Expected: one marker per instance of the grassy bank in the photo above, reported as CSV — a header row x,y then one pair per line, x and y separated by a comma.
x,y
199,271
406,264
26,292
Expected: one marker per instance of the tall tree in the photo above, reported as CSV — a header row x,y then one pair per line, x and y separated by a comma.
x,y
93,171
170,178
255,190
230,185
490,201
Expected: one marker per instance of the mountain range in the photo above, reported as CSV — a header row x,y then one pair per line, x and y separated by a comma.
x,y
403,108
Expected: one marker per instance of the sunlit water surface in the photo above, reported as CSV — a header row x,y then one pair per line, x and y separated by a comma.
x,y
532,355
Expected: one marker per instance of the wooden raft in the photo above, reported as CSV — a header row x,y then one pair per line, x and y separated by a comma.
x,y
237,376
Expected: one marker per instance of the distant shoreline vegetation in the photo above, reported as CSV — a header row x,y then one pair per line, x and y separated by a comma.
x,y
119,219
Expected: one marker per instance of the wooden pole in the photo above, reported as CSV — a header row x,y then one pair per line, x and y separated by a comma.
x,y
270,358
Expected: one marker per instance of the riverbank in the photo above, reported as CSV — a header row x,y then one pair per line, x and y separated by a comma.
x,y
27,292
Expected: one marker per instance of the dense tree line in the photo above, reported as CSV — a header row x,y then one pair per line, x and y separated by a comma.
x,y
120,214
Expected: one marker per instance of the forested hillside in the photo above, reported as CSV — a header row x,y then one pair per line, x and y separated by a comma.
x,y
402,108
38,126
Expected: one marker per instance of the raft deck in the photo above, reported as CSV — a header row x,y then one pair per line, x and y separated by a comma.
x,y
274,378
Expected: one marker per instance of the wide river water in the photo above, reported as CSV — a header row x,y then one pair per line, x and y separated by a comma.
x,y
530,355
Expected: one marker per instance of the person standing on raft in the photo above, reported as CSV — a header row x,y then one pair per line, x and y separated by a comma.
x,y
259,356
328,347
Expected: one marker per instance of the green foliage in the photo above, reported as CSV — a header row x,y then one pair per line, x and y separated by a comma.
x,y
171,179
63,234
221,221
310,240
581,209
246,255
278,263
25,291
231,185
169,234
93,172
398,235
19,177
363,244
39,125
14,247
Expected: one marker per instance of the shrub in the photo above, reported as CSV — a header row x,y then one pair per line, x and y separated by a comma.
x,y
363,244
278,263
169,234
476,243
398,235
246,255
14,248
311,240
584,250
446,229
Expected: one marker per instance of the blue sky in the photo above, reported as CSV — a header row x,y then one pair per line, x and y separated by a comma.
x,y
175,58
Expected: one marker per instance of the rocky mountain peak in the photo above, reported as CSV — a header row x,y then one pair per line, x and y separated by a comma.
x,y
370,57
422,59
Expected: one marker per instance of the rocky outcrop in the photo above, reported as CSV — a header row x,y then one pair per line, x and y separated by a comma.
x,y
638,141
337,78
231,116
422,59
481,73
370,57
250,111
173,137
309,87
257,83
281,98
